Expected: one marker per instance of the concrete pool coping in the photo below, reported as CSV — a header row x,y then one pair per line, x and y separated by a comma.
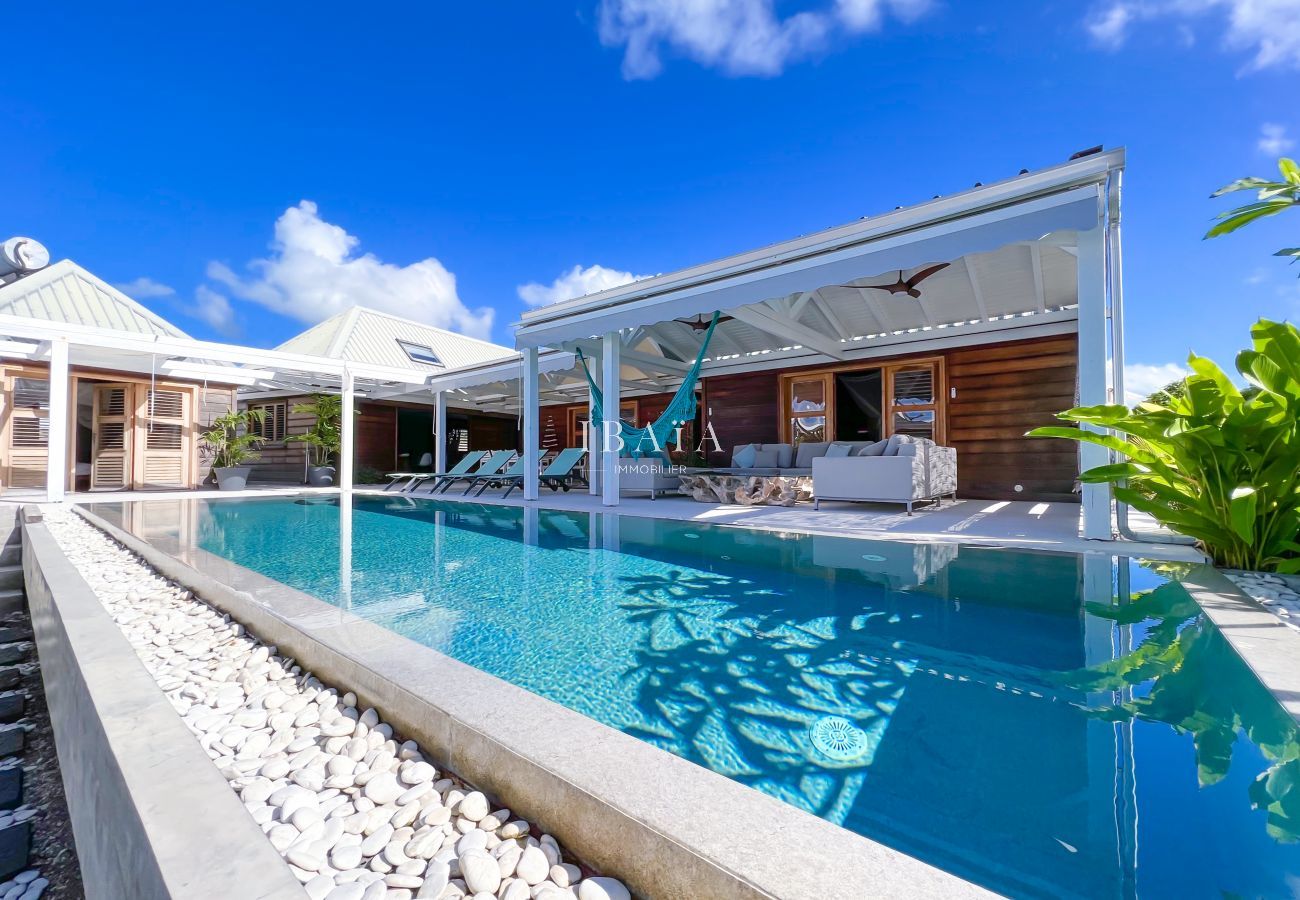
x,y
1269,647
667,827
134,775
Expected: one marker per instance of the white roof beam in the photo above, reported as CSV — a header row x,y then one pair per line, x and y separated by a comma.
x,y
1036,262
975,288
784,327
825,308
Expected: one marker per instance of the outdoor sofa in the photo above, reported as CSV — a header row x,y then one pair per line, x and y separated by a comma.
x,y
904,470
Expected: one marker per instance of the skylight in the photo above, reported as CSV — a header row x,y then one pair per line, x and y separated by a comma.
x,y
420,353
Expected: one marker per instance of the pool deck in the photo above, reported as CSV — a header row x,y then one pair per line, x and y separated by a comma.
x,y
1019,524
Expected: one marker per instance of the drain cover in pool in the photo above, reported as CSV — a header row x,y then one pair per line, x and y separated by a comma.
x,y
838,738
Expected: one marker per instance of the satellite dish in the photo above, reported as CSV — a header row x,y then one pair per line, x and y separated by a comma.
x,y
21,255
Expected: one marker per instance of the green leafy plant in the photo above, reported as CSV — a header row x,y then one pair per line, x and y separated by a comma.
x,y
1217,464
1272,197
368,475
325,437
230,438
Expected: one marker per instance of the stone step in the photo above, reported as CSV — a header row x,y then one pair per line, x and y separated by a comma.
x,y
11,577
12,600
13,738
11,554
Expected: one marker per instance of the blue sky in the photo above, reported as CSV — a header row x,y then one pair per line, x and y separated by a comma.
x,y
249,172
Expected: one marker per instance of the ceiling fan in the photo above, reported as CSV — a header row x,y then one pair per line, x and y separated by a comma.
x,y
901,286
702,324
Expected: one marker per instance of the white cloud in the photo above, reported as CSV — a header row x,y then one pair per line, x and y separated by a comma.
x,y
144,288
1273,139
215,309
1109,27
1268,29
313,273
1141,380
577,282
739,37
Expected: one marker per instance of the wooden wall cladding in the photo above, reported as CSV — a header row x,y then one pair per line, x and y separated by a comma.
x,y
376,436
1002,391
743,409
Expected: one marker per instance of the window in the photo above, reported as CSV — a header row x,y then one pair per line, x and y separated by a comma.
x,y
807,408
912,400
420,353
272,428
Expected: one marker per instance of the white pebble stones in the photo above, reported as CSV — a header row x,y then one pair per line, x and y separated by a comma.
x,y
355,814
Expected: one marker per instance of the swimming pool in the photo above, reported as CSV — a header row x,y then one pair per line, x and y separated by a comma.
x,y
995,713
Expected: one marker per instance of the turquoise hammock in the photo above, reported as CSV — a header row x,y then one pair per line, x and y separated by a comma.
x,y
654,437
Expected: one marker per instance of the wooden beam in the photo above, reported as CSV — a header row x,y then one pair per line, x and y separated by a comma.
x,y
785,328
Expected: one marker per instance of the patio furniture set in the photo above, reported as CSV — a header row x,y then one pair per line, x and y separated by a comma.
x,y
900,469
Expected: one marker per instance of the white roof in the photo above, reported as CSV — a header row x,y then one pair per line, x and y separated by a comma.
x,y
368,336
996,228
67,294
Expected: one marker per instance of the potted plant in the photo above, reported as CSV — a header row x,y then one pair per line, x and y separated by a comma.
x,y
323,439
231,439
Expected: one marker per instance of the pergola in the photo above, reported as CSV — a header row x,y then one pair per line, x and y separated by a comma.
x,y
1034,255
64,345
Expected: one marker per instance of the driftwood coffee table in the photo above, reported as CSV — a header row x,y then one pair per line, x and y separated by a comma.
x,y
747,490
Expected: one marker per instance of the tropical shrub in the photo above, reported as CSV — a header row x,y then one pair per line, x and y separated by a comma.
x,y
230,439
1217,464
325,437
1272,197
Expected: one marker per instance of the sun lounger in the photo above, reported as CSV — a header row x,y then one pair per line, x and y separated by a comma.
x,y
415,479
493,464
558,474
485,481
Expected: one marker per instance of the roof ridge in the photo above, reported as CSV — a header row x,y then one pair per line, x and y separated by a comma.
x,y
387,315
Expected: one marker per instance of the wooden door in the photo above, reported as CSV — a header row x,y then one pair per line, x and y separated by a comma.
x,y
111,433
26,431
163,437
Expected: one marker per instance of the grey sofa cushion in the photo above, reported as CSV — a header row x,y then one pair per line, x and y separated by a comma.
x,y
896,441
743,455
767,458
874,449
809,451
784,453
839,450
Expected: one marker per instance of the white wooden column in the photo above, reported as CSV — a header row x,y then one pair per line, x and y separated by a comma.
x,y
1092,373
440,431
610,367
56,471
532,433
347,448
593,441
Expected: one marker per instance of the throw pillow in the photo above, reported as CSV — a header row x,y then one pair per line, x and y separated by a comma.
x,y
895,442
766,459
743,457
876,449
836,451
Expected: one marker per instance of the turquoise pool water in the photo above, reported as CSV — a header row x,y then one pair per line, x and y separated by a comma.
x,y
1042,724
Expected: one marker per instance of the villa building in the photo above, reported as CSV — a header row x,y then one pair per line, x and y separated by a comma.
x,y
968,320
